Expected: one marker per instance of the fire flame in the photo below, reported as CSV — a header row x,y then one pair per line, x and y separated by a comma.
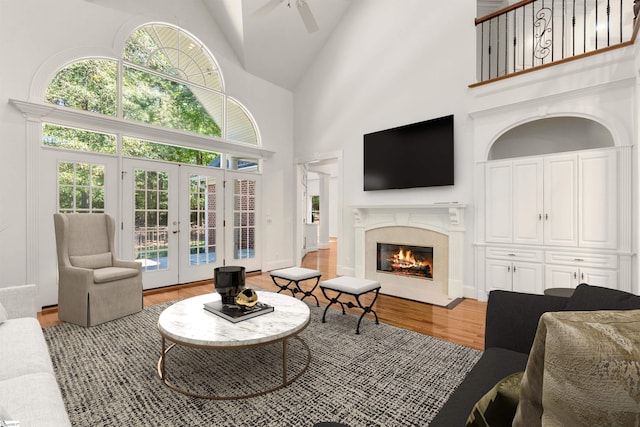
x,y
405,259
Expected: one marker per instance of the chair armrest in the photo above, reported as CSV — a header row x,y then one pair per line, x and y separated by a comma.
x,y
19,301
512,318
127,264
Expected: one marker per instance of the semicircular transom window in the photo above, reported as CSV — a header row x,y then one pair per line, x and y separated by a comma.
x,y
169,79
170,51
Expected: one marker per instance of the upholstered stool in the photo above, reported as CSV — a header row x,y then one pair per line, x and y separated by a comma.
x,y
295,275
354,287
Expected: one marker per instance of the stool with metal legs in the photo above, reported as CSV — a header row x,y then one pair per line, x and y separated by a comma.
x,y
293,276
354,287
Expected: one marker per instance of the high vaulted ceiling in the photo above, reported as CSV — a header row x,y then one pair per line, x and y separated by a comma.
x,y
276,46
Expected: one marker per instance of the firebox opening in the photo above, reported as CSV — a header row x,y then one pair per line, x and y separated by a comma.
x,y
405,260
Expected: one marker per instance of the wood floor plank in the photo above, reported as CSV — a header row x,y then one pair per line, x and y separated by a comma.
x,y
463,324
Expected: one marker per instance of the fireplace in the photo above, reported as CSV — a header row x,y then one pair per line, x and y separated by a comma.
x,y
405,260
438,227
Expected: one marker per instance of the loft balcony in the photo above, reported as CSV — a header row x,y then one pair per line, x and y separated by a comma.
x,y
533,34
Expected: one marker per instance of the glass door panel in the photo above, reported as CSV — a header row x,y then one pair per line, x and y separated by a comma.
x,y
150,220
242,194
202,238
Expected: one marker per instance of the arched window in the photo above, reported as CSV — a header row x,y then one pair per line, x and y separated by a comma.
x,y
166,78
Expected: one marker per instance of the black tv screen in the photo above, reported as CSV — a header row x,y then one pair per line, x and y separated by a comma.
x,y
410,156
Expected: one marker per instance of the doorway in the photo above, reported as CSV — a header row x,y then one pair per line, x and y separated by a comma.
x,y
319,201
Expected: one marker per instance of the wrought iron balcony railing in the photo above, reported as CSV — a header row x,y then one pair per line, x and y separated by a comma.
x,y
537,33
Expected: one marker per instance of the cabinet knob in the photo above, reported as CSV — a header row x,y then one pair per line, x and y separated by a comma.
x,y
508,269
575,275
578,259
540,217
514,268
546,216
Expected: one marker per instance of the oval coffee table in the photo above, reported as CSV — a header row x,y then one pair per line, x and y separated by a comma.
x,y
187,323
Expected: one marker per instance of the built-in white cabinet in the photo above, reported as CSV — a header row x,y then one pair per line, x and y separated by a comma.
x,y
561,200
569,269
514,276
514,270
556,220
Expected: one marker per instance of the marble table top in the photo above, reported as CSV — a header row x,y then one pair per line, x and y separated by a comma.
x,y
188,323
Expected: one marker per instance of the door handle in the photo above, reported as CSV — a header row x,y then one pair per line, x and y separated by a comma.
x,y
177,225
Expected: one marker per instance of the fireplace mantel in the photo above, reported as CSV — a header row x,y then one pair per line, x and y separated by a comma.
x,y
454,209
445,218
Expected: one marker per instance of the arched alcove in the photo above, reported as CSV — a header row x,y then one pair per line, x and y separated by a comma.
x,y
551,135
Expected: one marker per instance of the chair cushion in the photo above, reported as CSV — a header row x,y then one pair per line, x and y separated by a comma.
x,y
584,369
296,273
350,285
109,274
91,261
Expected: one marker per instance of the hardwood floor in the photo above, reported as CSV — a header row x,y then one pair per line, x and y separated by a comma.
x,y
464,324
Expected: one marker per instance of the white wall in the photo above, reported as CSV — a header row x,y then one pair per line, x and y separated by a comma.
x,y
387,66
39,36
390,64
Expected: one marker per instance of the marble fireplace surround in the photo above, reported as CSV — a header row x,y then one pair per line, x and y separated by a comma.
x,y
440,225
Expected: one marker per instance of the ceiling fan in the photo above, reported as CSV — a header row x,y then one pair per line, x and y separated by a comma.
x,y
303,9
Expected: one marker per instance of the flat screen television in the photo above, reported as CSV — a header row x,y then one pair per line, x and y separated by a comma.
x,y
410,156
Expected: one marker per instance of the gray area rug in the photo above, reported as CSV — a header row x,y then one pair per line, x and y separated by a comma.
x,y
386,376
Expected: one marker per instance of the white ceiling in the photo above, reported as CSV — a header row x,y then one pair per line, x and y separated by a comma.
x,y
276,46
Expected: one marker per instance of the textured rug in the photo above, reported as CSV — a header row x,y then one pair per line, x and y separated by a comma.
x,y
386,376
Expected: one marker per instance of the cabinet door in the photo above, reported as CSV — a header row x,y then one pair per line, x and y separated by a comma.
x,y
561,200
527,277
596,277
527,201
498,275
560,276
597,214
499,202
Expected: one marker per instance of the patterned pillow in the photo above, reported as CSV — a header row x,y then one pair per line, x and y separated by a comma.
x,y
583,369
498,406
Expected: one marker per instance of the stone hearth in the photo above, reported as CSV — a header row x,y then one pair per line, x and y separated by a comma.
x,y
439,225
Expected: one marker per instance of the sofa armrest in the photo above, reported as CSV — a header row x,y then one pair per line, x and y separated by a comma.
x,y
19,301
512,318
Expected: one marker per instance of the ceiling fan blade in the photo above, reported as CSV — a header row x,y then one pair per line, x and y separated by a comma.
x,y
267,8
307,16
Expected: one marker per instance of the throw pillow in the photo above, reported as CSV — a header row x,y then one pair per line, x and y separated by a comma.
x,y
587,297
3,314
583,369
498,406
91,261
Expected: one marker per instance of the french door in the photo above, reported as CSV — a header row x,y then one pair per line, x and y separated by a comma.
x,y
174,219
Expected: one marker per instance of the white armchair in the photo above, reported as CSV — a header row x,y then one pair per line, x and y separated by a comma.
x,y
94,286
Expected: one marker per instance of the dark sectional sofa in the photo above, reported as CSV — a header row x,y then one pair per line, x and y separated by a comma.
x,y
511,324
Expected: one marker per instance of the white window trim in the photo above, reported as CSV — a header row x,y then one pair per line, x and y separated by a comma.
x,y
64,116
